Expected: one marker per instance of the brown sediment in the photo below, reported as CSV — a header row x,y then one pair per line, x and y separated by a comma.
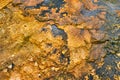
x,y
4,3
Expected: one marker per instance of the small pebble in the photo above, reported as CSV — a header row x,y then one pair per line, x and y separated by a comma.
x,y
30,59
118,65
36,64
12,55
118,54
39,75
54,69
11,66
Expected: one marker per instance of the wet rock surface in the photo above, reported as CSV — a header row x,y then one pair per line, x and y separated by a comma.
x,y
109,69
59,40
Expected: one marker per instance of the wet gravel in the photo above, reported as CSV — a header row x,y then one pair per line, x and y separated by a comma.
x,y
109,69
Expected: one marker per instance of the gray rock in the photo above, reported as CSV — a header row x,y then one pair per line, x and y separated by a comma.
x,y
58,32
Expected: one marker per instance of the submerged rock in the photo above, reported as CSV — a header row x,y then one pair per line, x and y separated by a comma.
x,y
58,32
109,69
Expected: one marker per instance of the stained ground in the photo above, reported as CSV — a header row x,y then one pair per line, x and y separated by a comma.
x,y
59,40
